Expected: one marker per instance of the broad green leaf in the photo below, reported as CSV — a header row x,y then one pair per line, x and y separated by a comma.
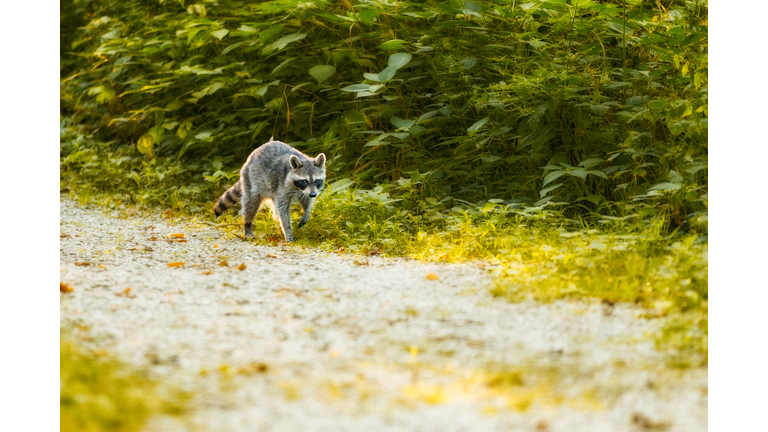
x,y
549,178
468,62
173,106
402,124
666,187
340,185
203,135
399,60
246,29
489,159
548,190
219,34
283,64
367,16
231,47
637,100
675,177
416,130
371,76
387,74
578,172
594,199
393,45
599,108
284,41
598,173
355,88
322,72
426,116
471,6
589,163
475,127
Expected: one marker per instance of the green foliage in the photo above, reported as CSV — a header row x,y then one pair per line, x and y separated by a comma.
x,y
101,394
545,102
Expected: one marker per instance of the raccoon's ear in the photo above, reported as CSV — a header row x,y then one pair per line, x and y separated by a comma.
x,y
320,160
295,162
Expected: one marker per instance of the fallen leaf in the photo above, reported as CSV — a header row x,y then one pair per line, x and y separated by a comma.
x,y
82,263
178,235
360,263
65,288
373,252
64,235
241,267
130,211
223,263
102,266
153,238
271,256
125,293
176,264
207,272
215,245
433,276
196,265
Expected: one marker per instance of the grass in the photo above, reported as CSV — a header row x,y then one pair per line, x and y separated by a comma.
x,y
540,254
99,393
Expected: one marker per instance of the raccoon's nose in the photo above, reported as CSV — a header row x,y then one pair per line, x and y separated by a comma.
x,y
312,194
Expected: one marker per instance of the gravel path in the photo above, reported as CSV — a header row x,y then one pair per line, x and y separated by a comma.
x,y
309,340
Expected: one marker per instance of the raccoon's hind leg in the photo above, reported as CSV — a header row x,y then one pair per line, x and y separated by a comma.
x,y
251,206
251,201
306,205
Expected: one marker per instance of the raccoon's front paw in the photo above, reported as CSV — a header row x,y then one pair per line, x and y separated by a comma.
x,y
302,223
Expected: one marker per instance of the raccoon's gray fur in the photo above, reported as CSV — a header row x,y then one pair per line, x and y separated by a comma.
x,y
275,175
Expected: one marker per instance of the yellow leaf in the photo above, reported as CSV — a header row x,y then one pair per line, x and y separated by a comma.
x,y
179,235
176,264
433,276
207,272
241,267
223,263
145,145
65,288
125,293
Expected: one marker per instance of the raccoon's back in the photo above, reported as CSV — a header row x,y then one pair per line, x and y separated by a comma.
x,y
268,166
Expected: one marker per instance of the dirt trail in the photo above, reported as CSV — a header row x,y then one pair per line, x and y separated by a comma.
x,y
307,340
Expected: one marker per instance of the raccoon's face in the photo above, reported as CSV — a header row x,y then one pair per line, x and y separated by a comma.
x,y
307,177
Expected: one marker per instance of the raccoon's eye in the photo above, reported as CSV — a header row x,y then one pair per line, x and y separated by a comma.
x,y
318,183
301,184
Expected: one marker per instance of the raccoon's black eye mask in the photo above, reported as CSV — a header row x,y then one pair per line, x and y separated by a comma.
x,y
301,184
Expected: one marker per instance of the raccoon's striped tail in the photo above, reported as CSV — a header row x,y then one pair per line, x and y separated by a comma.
x,y
230,197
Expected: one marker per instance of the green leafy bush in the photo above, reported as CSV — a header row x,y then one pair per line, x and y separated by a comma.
x,y
584,103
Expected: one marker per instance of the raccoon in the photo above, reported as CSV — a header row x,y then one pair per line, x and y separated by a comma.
x,y
275,175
